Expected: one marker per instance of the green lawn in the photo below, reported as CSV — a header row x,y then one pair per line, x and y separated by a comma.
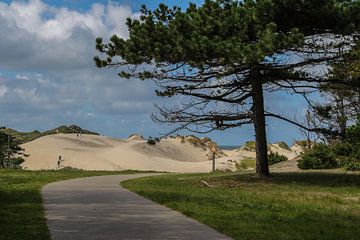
x,y
21,211
311,205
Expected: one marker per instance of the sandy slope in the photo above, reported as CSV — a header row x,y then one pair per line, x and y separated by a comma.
x,y
102,153
92,152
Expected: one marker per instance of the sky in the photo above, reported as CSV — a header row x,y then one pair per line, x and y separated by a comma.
x,y
48,77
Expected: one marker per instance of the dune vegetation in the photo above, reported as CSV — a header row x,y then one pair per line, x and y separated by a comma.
x,y
24,137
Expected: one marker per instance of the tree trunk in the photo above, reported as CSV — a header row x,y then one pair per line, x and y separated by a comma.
x,y
262,165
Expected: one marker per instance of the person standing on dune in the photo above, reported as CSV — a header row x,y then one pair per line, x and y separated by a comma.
x,y
59,161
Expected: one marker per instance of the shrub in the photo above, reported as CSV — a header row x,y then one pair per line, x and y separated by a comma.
x,y
152,141
349,163
343,149
304,144
353,133
320,156
283,145
276,158
250,146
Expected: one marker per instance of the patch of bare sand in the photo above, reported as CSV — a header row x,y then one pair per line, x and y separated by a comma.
x,y
91,152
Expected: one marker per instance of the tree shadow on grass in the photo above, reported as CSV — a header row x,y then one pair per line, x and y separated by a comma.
x,y
320,179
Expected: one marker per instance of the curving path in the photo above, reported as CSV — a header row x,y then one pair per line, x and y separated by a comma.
x,y
99,208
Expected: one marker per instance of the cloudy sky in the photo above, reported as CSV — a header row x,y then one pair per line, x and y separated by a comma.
x,y
48,78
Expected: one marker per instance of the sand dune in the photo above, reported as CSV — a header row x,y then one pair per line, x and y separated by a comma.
x,y
91,152
103,153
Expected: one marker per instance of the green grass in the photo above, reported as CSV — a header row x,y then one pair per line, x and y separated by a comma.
x,y
246,163
250,146
21,211
312,205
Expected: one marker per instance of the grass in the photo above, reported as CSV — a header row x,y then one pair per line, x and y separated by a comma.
x,y
21,211
311,205
246,163
250,146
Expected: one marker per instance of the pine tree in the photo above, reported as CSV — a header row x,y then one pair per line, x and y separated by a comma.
x,y
223,55
10,152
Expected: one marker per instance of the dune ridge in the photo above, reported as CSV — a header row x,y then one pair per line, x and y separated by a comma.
x,y
173,154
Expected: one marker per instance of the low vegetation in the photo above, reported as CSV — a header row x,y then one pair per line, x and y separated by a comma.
x,y
343,153
24,137
250,146
21,211
276,158
246,163
283,145
250,163
307,205
319,157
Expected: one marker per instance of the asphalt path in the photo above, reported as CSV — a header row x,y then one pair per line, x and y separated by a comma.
x,y
99,208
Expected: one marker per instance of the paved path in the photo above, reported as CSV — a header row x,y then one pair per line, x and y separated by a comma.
x,y
99,208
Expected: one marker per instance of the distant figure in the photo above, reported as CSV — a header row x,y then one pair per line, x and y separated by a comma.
x,y
77,135
59,161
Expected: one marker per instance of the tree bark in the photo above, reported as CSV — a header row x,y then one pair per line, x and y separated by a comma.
x,y
262,165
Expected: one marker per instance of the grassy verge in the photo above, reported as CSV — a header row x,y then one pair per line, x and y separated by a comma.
x,y
21,211
308,205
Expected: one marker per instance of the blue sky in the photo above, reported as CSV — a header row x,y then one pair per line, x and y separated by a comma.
x,y
48,78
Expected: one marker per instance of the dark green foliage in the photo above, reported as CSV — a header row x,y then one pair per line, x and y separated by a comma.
x,y
68,129
320,156
10,152
276,158
351,163
353,133
345,153
152,141
24,137
283,145
348,150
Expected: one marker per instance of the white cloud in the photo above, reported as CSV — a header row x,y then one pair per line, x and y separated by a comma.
x,y
22,77
51,49
37,35
3,90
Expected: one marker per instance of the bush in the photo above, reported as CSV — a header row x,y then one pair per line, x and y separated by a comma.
x,y
320,156
343,149
304,144
276,158
283,145
152,141
250,146
349,163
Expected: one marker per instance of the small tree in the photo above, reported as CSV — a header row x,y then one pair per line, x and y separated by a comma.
x,y
223,55
10,151
342,103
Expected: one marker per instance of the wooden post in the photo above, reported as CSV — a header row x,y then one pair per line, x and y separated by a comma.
x,y
213,150
213,161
